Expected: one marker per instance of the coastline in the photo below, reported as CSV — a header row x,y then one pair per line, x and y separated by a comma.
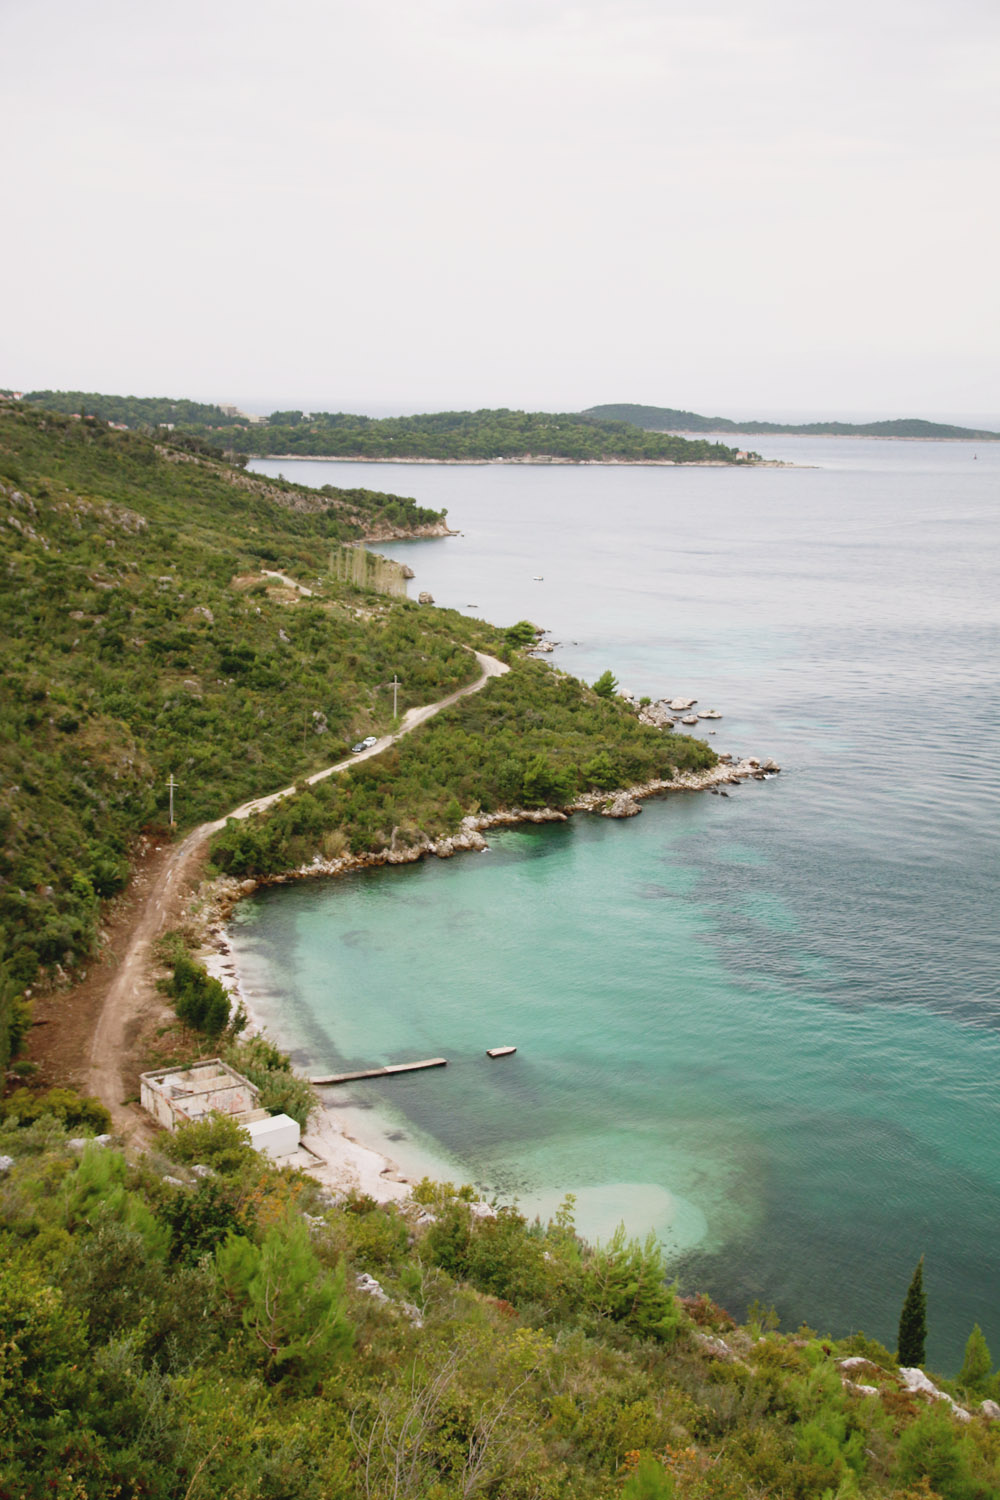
x,y
538,460
339,1161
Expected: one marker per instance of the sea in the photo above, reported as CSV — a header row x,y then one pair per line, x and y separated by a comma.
x,y
763,1027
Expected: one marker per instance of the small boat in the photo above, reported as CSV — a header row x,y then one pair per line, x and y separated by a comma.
x,y
500,1051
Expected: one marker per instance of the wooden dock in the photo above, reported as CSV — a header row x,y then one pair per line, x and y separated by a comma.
x,y
390,1068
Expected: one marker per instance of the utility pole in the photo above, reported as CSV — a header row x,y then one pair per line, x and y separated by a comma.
x,y
395,684
171,785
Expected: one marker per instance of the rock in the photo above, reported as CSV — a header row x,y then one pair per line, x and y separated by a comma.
x,y
200,1169
990,1408
681,705
205,612
425,598
623,806
174,1181
248,886
690,719
716,1347
709,713
370,1286
481,1210
657,714
770,765
81,1142
6,1162
916,1381
408,571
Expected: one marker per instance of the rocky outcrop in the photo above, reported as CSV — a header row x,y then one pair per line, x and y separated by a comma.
x,y
424,597
916,1381
622,806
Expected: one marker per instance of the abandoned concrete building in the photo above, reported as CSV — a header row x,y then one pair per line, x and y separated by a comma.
x,y
175,1095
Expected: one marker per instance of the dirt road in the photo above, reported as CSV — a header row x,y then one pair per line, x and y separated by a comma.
x,y
106,1035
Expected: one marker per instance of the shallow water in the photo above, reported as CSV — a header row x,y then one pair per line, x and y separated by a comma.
x,y
765,1026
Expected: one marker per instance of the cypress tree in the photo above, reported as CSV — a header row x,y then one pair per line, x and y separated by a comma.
x,y
913,1321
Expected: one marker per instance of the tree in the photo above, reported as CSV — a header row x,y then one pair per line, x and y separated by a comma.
x,y
606,685
292,1307
978,1361
913,1321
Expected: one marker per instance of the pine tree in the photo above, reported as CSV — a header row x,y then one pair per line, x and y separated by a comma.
x,y
913,1321
977,1363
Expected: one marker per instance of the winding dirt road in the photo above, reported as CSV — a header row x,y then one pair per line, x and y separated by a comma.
x,y
131,999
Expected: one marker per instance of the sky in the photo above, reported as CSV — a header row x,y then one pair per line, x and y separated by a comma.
x,y
789,206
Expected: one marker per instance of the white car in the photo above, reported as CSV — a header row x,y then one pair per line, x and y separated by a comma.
x,y
369,741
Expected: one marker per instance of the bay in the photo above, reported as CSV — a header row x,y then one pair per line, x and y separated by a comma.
x,y
768,1026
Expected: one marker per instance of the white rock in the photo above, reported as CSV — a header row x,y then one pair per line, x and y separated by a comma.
x,y
915,1380
482,1211
991,1410
623,806
370,1286
6,1162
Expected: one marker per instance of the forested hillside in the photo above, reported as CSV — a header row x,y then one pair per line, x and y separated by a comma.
x,y
670,419
232,1331
142,639
443,436
166,615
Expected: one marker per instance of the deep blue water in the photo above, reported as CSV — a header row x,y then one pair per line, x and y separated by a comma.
x,y
766,1026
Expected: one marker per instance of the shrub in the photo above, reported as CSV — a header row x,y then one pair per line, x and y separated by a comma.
x,y
200,1001
217,1140
72,1110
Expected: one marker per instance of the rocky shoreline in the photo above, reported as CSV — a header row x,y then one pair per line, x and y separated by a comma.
x,y
339,1161
224,893
536,458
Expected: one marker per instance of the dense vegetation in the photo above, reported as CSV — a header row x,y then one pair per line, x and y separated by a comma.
x,y
437,435
532,738
668,419
174,1336
134,411
141,639
469,435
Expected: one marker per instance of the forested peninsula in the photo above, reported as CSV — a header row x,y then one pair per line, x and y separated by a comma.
x,y
439,437
182,1319
670,419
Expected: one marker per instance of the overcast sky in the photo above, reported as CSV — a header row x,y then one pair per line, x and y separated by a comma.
x,y
734,207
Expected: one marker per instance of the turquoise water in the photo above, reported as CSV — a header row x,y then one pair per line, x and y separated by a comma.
x,y
764,1026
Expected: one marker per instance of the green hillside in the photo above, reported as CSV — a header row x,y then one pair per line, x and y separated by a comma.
x,y
240,1334
141,638
669,419
144,639
441,436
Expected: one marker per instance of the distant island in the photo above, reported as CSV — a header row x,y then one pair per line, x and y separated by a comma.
x,y
438,437
669,419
